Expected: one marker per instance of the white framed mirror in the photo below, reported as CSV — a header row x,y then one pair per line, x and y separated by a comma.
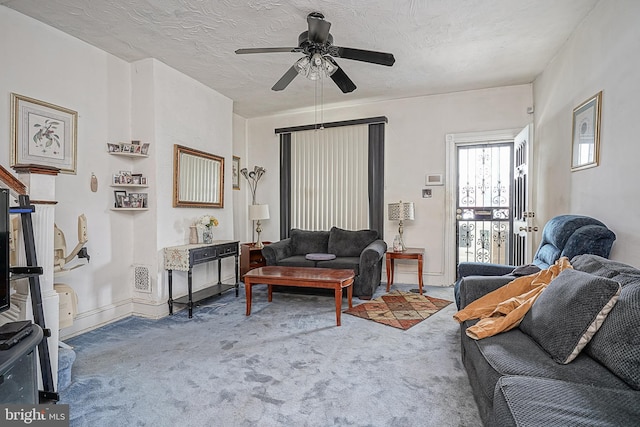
x,y
198,178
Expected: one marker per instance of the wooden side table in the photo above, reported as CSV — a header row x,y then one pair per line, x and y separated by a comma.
x,y
250,258
409,253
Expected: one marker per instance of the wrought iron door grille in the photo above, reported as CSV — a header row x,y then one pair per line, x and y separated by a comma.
x,y
484,212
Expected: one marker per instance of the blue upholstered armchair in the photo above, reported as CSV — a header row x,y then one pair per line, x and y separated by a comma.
x,y
564,235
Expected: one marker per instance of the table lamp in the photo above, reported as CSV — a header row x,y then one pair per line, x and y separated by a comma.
x,y
257,213
400,212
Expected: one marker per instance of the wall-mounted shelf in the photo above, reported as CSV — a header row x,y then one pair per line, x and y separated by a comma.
x,y
132,200
128,154
129,186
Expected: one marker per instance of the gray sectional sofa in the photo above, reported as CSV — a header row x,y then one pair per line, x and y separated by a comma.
x,y
361,251
522,377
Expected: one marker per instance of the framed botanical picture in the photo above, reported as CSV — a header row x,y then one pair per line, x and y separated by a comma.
x,y
43,134
235,170
586,134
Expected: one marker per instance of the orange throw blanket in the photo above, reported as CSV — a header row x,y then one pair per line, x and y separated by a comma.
x,y
504,308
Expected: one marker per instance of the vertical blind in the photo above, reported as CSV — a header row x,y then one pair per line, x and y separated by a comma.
x,y
329,178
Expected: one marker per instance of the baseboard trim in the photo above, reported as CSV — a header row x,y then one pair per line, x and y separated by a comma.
x,y
149,309
96,318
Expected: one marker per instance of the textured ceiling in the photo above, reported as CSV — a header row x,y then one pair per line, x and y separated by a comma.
x,y
440,45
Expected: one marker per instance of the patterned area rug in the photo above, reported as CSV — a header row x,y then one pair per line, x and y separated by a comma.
x,y
399,309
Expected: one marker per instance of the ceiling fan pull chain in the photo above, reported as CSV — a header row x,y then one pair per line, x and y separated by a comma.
x,y
321,101
315,103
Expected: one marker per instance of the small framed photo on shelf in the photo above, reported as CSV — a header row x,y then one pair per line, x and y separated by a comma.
x,y
113,148
135,142
134,200
145,149
138,200
126,202
143,180
126,148
136,179
126,177
119,198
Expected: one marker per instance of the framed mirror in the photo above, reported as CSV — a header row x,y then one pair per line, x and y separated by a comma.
x,y
586,134
198,178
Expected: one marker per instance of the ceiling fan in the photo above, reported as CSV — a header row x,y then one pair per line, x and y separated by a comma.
x,y
317,45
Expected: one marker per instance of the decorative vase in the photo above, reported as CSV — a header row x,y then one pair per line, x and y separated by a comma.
x,y
193,234
207,235
397,244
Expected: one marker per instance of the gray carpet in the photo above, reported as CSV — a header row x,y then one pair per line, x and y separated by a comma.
x,y
285,365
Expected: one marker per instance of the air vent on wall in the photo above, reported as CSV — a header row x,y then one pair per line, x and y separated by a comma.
x,y
142,279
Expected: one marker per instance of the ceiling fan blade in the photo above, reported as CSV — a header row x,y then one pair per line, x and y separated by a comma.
x,y
380,58
267,50
285,79
318,28
341,79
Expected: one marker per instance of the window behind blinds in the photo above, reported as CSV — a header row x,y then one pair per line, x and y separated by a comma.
x,y
329,175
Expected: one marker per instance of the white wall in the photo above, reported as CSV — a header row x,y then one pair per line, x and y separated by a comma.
x,y
116,102
601,55
46,64
415,145
242,197
190,114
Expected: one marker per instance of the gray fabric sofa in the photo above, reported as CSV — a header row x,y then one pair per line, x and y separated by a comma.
x,y
361,251
514,377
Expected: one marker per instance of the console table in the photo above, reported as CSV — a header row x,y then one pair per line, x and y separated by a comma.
x,y
184,257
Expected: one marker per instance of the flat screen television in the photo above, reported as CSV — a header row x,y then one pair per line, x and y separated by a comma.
x,y
5,283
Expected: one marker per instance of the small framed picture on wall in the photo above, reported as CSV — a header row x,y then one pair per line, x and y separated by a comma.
x,y
235,170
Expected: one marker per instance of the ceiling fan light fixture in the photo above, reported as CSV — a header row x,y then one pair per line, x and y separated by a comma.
x,y
302,66
314,67
329,67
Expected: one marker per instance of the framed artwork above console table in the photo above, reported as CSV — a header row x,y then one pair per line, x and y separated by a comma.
x,y
184,257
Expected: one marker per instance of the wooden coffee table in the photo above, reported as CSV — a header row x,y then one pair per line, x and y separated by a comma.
x,y
305,277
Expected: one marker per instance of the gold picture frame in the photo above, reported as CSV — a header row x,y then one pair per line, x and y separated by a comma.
x,y
43,134
585,146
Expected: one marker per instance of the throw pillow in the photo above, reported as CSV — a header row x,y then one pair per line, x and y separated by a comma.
x,y
305,242
350,243
569,312
320,257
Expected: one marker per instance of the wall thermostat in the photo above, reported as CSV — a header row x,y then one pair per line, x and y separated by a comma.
x,y
433,179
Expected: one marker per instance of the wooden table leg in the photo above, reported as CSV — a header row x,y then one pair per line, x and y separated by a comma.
x,y
420,273
247,289
390,266
338,293
269,292
350,294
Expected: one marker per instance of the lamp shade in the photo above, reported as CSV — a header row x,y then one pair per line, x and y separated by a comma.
x,y
257,212
401,211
